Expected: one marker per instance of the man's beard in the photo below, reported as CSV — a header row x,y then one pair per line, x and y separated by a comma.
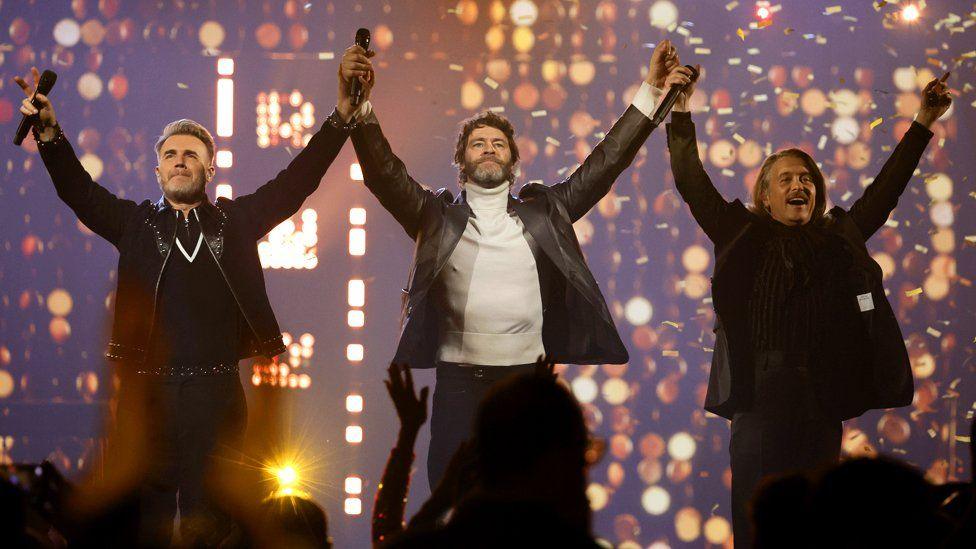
x,y
488,173
184,193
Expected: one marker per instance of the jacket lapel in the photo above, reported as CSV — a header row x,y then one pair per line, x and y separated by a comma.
x,y
534,218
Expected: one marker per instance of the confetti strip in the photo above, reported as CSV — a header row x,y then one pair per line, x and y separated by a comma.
x,y
913,293
933,332
553,141
455,67
491,83
876,122
741,34
669,353
182,86
830,10
538,114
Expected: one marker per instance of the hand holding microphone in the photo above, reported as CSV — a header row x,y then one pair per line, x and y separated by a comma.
x,y
36,107
356,77
680,84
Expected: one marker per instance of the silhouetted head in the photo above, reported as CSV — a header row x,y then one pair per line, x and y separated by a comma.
x,y
781,511
300,519
522,423
875,502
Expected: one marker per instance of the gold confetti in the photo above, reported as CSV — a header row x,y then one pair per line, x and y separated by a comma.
x,y
703,51
669,353
933,332
912,293
830,10
537,114
876,122
788,31
182,86
552,141
455,67
731,5
741,34
491,83
764,23
738,138
641,260
677,325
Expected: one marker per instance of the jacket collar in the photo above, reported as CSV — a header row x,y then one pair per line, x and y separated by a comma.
x,y
462,199
206,207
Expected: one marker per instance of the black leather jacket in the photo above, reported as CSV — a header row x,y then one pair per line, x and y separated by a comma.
x,y
576,327
144,234
864,364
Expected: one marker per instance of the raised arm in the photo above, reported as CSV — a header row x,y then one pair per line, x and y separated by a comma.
x,y
96,207
871,211
707,205
391,494
593,179
384,174
280,198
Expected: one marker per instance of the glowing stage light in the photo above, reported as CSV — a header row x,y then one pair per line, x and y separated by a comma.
x,y
287,476
910,13
354,404
353,506
354,485
354,434
763,10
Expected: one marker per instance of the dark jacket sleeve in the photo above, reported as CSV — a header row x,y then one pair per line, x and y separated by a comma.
x,y
96,207
708,207
280,198
593,179
871,211
387,178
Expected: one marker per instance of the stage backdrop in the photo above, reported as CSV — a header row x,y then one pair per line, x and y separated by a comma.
x,y
840,81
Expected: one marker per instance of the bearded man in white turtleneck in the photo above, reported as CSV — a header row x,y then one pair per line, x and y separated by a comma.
x,y
497,281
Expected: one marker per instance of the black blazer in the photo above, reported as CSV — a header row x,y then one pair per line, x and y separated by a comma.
x,y
577,327
864,364
144,234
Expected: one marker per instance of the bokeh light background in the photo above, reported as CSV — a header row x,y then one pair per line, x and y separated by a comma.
x,y
840,81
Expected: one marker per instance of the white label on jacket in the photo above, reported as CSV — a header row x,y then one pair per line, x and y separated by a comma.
x,y
865,302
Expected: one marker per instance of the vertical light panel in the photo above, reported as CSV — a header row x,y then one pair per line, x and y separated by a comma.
x,y
357,242
357,293
225,107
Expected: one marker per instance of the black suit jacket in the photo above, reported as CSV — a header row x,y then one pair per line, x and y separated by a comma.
x,y
864,364
577,327
144,234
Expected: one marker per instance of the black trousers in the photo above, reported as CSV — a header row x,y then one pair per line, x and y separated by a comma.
x,y
785,431
457,393
189,424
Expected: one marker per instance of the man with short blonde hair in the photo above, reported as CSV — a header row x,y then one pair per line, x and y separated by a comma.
x,y
191,302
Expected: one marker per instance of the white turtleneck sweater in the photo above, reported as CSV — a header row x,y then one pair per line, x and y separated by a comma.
x,y
490,300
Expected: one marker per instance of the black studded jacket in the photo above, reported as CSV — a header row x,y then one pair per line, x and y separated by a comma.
x,y
144,235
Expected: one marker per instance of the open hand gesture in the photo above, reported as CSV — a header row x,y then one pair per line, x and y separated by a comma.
x,y
411,409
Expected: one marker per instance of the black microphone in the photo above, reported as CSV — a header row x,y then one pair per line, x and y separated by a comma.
x,y
668,103
356,90
44,85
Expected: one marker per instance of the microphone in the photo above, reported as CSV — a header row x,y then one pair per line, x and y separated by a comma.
x,y
669,100
44,85
356,90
